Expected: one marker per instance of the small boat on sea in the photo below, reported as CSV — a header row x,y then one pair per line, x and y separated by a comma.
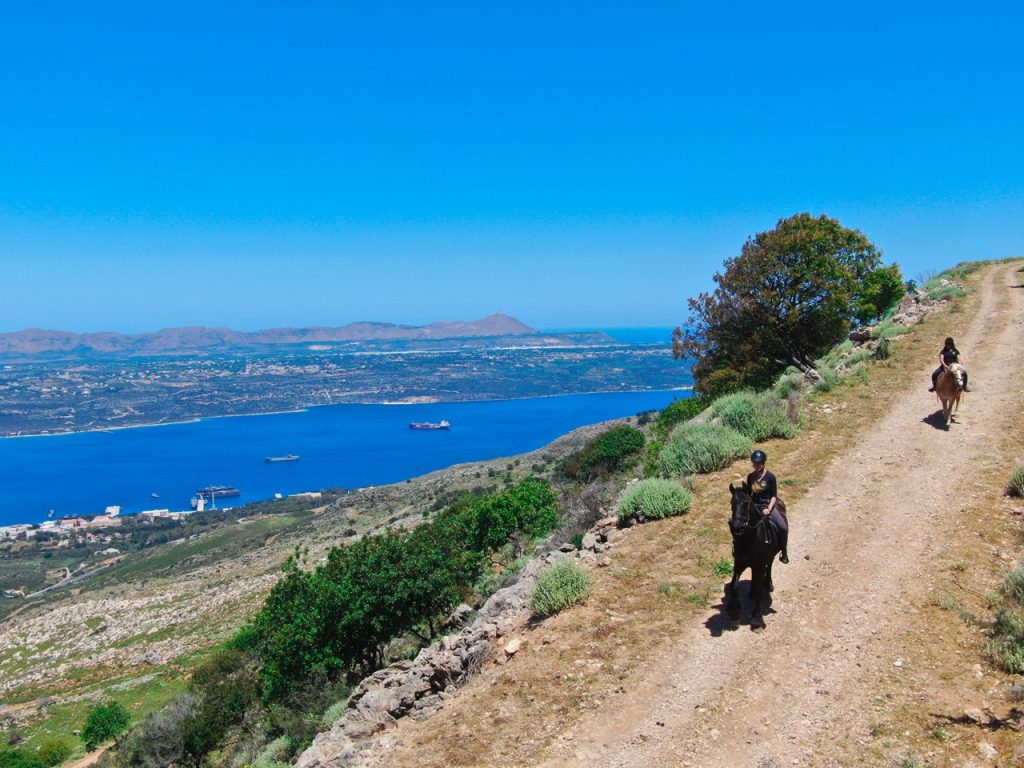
x,y
443,424
289,457
155,495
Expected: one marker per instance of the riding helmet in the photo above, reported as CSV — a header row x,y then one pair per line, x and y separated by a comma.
x,y
759,456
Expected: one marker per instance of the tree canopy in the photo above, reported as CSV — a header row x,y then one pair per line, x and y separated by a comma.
x,y
104,722
789,296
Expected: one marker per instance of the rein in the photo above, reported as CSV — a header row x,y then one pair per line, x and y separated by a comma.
x,y
749,512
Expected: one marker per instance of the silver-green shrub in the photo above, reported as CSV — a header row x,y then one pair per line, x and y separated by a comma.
x,y
1016,484
697,448
829,380
333,713
888,330
1006,642
787,383
655,499
275,754
757,416
557,587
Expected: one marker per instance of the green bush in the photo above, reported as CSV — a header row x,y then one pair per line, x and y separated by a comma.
x,y
1006,645
558,587
1016,484
677,412
829,380
946,292
889,330
226,687
860,356
275,754
20,758
333,713
788,383
55,751
606,453
158,740
758,417
697,448
341,616
884,349
655,499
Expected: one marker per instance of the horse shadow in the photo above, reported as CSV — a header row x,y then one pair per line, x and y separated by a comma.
x,y
937,420
719,623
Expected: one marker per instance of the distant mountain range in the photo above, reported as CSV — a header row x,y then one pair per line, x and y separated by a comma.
x,y
34,341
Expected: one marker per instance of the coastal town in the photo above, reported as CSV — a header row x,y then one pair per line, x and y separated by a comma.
x,y
71,394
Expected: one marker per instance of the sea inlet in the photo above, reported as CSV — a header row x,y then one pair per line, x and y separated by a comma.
x,y
340,446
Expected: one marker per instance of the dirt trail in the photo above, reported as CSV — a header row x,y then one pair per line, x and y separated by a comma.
x,y
864,541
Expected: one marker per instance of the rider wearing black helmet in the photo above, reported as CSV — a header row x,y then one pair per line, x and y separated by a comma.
x,y
949,355
765,493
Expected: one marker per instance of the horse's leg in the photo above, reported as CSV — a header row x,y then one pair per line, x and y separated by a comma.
x,y
757,574
732,605
769,585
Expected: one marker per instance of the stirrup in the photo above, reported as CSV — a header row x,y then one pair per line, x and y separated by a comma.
x,y
784,558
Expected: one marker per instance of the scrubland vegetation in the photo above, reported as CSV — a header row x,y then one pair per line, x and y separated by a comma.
x,y
558,587
654,498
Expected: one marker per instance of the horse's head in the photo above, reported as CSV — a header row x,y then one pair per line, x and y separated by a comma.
x,y
959,374
744,512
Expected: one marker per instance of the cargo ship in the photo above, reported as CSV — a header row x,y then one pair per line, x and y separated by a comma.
x,y
219,491
443,424
210,494
289,457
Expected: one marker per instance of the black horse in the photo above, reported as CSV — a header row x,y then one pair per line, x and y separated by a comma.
x,y
755,543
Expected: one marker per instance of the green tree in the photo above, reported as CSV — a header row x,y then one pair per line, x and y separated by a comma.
x,y
791,294
103,723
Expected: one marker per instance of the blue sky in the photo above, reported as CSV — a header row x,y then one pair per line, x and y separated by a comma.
x,y
572,164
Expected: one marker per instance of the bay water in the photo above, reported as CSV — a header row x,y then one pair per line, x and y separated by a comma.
x,y
340,446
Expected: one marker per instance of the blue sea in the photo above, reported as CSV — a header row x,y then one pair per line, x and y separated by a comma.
x,y
341,446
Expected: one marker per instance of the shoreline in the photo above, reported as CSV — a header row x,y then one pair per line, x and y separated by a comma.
x,y
309,407
34,519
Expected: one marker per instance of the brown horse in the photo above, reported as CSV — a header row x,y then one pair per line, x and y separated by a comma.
x,y
948,389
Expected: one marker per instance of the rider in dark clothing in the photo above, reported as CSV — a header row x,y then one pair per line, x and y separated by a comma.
x,y
764,491
949,355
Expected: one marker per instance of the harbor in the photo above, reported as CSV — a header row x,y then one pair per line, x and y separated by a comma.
x,y
341,446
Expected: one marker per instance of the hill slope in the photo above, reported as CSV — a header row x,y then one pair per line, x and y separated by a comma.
x,y
897,525
37,341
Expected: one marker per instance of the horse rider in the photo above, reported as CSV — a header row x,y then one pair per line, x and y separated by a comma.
x,y
764,491
949,355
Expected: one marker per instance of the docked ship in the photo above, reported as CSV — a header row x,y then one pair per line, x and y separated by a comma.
x,y
289,457
218,491
210,494
443,424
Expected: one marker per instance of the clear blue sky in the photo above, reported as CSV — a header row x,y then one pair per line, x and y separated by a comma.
x,y
572,164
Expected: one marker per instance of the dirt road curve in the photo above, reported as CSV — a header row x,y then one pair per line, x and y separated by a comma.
x,y
869,530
